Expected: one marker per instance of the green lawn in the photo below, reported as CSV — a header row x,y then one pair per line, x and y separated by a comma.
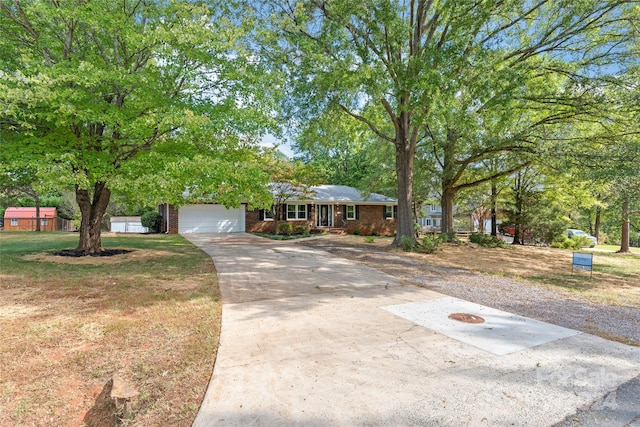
x,y
67,325
614,248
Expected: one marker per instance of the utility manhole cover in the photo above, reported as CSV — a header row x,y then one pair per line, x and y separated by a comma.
x,y
466,318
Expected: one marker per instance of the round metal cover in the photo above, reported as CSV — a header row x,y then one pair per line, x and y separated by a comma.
x,y
466,318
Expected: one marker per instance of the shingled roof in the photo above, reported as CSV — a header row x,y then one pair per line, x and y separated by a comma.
x,y
345,194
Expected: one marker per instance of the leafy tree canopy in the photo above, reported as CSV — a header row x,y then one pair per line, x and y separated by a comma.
x,y
345,153
141,98
476,79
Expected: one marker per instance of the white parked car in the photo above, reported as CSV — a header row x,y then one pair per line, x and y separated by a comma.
x,y
573,232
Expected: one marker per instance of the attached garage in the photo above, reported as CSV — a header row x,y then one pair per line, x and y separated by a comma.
x,y
210,219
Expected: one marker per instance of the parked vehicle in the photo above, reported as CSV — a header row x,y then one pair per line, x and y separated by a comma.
x,y
510,230
507,230
574,232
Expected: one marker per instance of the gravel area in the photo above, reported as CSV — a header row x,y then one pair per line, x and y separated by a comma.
x,y
516,296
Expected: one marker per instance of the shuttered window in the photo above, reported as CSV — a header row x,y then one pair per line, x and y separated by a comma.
x,y
389,212
266,215
351,212
295,212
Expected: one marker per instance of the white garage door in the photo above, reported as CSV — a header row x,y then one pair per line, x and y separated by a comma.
x,y
210,219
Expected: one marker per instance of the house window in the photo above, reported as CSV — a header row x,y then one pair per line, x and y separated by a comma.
x,y
296,212
389,212
351,212
14,222
44,221
427,222
435,222
267,215
434,208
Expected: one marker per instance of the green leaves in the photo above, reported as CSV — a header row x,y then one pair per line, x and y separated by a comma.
x,y
144,98
465,81
95,85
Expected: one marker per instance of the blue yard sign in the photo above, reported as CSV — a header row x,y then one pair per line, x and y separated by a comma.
x,y
582,261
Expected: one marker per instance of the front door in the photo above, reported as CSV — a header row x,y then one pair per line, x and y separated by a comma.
x,y
324,215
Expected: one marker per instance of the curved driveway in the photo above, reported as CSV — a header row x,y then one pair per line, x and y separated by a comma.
x,y
305,342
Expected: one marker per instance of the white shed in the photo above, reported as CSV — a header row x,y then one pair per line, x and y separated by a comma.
x,y
127,224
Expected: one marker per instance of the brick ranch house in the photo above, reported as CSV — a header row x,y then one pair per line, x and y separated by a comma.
x,y
328,207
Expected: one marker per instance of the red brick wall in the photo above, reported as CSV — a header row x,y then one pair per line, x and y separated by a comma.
x,y
253,224
173,219
370,221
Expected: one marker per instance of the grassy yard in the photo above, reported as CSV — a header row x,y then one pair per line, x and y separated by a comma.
x,y
614,248
67,325
616,277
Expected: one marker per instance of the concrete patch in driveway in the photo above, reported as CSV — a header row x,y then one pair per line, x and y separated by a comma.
x,y
501,332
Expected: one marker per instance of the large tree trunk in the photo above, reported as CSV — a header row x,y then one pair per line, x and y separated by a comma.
x,y
596,227
448,183
446,203
405,154
92,211
36,198
494,207
518,233
624,244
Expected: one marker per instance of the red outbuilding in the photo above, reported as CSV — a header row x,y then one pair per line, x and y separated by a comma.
x,y
19,218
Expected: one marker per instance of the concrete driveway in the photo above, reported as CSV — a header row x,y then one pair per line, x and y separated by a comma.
x,y
310,339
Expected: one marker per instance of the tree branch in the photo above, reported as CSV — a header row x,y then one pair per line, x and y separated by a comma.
x,y
494,176
368,122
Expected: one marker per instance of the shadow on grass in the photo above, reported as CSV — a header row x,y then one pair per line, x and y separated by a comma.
x,y
103,411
